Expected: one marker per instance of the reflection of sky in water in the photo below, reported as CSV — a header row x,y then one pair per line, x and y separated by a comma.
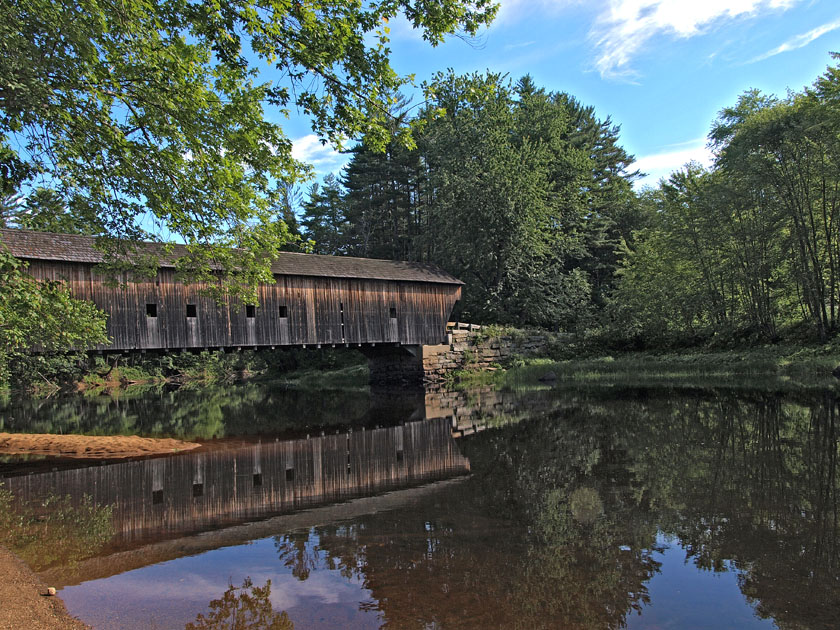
x,y
501,551
171,594
683,597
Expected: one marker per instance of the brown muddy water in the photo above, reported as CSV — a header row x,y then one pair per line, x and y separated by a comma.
x,y
538,508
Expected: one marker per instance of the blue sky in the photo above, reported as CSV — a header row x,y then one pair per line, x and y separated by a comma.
x,y
662,69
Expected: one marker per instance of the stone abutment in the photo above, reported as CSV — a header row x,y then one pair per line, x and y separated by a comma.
x,y
468,347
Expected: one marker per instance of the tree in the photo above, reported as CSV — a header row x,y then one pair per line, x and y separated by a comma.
x,y
504,204
522,193
612,210
753,245
44,210
324,220
41,315
385,204
704,266
152,114
784,154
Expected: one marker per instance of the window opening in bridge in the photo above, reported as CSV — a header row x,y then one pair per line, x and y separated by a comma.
x,y
341,311
191,311
399,456
157,497
151,310
258,480
284,311
392,312
198,489
250,311
290,474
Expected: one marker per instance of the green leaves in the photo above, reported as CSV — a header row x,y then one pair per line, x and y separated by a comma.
x,y
513,190
517,192
153,115
42,315
754,242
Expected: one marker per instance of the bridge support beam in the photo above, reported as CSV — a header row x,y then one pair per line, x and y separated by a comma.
x,y
395,365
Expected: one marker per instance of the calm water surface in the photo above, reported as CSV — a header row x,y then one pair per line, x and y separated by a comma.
x,y
541,508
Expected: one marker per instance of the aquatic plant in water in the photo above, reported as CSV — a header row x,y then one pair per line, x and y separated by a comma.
x,y
53,531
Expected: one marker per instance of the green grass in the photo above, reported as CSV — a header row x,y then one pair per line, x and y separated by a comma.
x,y
776,366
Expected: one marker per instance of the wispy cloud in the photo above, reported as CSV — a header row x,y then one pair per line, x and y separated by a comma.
x,y
520,45
512,10
625,28
659,165
800,41
323,158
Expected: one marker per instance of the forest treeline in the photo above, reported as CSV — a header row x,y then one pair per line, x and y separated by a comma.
x,y
523,194
528,197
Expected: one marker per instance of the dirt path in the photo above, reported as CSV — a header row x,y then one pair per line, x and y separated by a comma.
x,y
23,603
89,446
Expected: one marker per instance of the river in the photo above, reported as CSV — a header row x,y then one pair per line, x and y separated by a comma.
x,y
519,507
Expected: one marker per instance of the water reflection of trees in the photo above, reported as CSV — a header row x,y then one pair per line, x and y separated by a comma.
x,y
245,607
210,412
756,488
747,483
559,523
590,539
298,552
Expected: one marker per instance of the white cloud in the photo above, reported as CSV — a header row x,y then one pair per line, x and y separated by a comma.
x,y
659,165
625,27
401,29
323,158
800,41
326,587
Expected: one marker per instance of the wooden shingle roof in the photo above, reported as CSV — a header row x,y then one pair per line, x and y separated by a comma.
x,y
75,248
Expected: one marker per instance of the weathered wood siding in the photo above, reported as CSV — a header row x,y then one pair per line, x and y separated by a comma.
x,y
194,491
318,310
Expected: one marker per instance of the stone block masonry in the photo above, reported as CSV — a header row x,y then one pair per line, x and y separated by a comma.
x,y
470,347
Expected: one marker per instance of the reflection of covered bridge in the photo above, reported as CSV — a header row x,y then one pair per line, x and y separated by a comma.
x,y
314,301
174,495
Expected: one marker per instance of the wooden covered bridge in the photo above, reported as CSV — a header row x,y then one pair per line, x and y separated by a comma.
x,y
314,301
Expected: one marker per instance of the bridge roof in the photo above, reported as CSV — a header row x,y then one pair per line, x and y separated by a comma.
x,y
77,248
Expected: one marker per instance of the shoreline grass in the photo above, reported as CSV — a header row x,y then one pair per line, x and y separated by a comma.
x,y
781,366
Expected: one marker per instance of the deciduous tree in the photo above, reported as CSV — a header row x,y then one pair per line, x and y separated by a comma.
x,y
153,115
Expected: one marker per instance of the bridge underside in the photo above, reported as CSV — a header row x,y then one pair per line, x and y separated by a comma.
x,y
388,364
395,365
364,348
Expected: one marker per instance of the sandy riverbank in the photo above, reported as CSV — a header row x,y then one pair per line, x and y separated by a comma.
x,y
24,603
89,446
